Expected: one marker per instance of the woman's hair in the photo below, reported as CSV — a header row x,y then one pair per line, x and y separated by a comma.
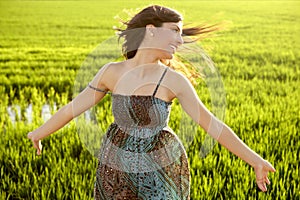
x,y
156,15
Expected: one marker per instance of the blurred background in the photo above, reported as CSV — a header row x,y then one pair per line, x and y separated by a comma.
x,y
44,43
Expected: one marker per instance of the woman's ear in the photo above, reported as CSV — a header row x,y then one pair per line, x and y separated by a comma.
x,y
150,29
150,26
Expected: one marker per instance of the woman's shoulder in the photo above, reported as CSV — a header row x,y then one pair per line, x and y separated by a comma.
x,y
176,75
110,74
115,65
113,68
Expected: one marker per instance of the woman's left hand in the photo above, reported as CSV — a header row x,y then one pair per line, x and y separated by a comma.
x,y
261,173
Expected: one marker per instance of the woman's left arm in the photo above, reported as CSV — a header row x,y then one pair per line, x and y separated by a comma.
x,y
191,103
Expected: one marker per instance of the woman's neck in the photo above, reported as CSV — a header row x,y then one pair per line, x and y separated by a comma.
x,y
145,56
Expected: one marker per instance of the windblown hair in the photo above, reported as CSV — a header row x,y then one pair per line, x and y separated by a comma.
x,y
157,15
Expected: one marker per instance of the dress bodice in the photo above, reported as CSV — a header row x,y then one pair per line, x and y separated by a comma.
x,y
140,116
140,112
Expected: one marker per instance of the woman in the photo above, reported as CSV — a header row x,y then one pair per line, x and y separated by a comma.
x,y
141,158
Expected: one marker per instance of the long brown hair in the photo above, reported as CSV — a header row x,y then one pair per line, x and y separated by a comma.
x,y
157,15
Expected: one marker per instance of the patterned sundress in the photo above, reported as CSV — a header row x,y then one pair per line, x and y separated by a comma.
x,y
140,157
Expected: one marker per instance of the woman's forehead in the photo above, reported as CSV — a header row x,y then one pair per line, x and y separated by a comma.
x,y
175,24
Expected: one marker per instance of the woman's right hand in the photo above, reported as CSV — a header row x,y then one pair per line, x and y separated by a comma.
x,y
37,144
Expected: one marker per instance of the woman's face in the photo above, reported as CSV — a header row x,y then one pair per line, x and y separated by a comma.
x,y
165,40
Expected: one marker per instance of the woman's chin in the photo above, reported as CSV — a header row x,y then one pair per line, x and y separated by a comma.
x,y
167,55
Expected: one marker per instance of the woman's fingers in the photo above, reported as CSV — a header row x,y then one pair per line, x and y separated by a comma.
x,y
261,183
262,186
39,147
29,135
261,172
37,144
269,166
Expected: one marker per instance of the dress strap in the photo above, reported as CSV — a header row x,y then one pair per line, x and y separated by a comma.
x,y
97,89
161,78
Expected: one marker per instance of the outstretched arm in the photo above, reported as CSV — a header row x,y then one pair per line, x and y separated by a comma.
x,y
191,103
85,100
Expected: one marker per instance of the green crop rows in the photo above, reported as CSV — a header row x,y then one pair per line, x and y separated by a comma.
x,y
44,43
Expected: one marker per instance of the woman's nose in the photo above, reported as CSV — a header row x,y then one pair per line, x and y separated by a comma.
x,y
180,39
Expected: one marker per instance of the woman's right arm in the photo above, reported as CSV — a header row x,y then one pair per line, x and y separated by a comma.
x,y
85,100
81,103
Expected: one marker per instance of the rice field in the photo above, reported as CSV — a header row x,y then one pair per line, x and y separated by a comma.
x,y
43,45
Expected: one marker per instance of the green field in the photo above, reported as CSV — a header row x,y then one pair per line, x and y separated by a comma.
x,y
44,43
